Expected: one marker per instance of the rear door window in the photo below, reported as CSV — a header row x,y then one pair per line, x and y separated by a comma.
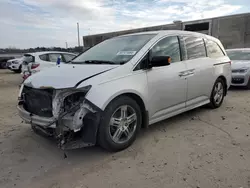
x,y
195,47
213,49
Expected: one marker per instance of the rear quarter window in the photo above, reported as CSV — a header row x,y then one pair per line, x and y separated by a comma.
x,y
195,47
213,49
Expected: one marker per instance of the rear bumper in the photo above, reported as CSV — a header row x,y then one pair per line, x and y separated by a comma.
x,y
34,119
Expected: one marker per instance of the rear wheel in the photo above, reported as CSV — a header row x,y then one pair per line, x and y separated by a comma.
x,y
120,124
218,93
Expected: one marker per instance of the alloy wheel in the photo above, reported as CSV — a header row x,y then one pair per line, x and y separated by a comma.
x,y
218,93
122,124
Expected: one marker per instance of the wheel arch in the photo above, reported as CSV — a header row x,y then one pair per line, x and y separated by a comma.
x,y
225,82
138,99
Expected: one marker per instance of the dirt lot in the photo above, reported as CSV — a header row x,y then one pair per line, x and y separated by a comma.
x,y
199,149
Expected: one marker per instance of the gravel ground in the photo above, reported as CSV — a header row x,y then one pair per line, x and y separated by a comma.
x,y
200,149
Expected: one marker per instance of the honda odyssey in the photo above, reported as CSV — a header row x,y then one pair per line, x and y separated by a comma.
x,y
108,93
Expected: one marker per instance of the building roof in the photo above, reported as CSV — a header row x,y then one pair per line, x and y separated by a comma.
x,y
168,24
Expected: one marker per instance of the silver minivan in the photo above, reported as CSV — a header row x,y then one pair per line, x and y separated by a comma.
x,y
108,93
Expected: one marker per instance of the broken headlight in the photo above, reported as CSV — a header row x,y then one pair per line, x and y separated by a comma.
x,y
66,99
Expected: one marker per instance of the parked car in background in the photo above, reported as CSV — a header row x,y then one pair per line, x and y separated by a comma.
x,y
15,65
3,61
240,66
106,94
35,62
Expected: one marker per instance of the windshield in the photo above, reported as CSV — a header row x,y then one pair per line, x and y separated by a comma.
x,y
238,55
114,51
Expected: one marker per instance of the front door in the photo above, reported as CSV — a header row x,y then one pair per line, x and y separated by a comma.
x,y
166,88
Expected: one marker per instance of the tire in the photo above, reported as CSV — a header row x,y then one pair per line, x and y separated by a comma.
x,y
105,138
3,65
248,85
217,103
19,70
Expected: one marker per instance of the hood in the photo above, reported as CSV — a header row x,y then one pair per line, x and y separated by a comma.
x,y
65,75
16,59
237,64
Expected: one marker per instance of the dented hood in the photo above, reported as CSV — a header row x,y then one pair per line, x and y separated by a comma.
x,y
66,75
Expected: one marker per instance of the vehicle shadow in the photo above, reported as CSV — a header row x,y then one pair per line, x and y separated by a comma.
x,y
174,121
238,88
32,144
26,141
7,71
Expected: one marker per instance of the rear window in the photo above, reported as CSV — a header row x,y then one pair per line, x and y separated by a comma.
x,y
213,49
238,55
195,47
28,58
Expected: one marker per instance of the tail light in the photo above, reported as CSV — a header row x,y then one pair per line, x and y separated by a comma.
x,y
34,65
26,76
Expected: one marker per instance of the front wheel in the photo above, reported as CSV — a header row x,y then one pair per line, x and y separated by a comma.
x,y
120,124
218,93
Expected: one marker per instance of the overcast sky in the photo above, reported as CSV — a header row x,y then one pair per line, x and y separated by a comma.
x,y
32,23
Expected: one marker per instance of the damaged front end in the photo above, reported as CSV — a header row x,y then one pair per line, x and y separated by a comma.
x,y
64,114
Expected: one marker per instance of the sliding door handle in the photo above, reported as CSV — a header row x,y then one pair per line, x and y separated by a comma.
x,y
181,74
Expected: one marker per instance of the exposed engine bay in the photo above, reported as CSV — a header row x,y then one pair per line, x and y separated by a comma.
x,y
73,119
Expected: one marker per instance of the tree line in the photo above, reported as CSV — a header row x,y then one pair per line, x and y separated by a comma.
x,y
76,49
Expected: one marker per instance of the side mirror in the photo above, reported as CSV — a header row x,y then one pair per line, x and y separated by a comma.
x,y
159,61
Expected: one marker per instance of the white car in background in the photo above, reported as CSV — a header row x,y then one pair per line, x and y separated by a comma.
x,y
35,62
15,64
240,66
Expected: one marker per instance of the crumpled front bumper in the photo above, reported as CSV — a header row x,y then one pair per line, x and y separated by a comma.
x,y
67,137
34,119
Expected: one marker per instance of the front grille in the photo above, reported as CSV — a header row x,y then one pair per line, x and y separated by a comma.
x,y
239,71
37,101
237,80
